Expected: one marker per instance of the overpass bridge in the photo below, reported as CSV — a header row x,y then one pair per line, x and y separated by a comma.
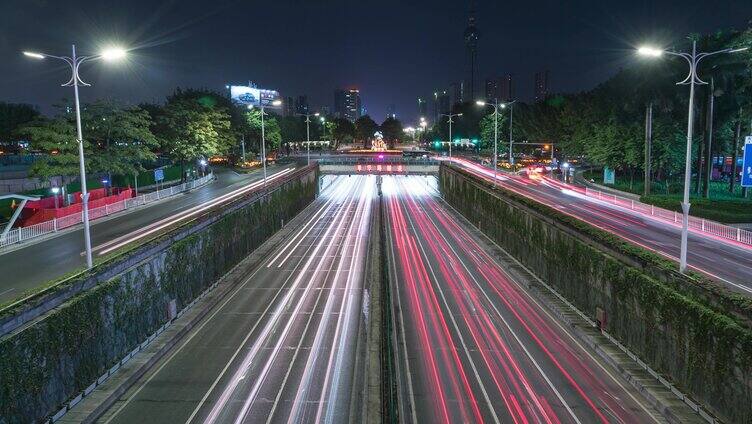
x,y
378,165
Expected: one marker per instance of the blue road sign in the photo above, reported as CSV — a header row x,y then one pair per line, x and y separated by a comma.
x,y
747,164
158,174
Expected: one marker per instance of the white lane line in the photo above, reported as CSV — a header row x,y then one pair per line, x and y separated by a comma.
x,y
343,213
514,334
356,264
261,339
489,405
395,278
7,291
548,314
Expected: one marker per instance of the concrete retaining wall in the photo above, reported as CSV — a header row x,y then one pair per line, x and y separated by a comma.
x,y
699,338
56,356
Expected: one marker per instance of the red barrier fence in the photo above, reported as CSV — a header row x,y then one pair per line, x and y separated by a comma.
x,y
44,209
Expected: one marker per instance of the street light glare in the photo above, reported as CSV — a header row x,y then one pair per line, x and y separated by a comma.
x,y
34,55
316,114
649,51
480,103
277,103
113,54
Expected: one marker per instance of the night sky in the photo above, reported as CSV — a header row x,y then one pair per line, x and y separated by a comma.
x,y
393,51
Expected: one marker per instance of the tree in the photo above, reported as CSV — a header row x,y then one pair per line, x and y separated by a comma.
x,y
391,129
342,131
272,132
120,138
56,138
12,117
365,127
293,128
487,132
189,131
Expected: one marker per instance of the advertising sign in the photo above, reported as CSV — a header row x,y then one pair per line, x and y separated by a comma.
x,y
609,176
747,163
252,96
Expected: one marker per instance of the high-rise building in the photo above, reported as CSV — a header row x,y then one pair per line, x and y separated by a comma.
x,y
456,93
422,108
441,104
347,104
541,86
471,45
505,88
492,89
301,105
499,88
289,106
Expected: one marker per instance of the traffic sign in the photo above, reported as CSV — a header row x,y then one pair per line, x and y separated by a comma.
x,y
158,175
747,163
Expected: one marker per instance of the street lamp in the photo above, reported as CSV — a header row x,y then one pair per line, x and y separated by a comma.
x,y
693,59
308,132
275,103
75,62
55,191
450,120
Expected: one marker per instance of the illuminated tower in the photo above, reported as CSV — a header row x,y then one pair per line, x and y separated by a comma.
x,y
471,44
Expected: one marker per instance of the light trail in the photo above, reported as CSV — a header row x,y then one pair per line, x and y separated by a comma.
x,y
338,247
635,226
527,369
121,241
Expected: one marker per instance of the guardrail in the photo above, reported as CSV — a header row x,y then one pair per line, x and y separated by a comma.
x,y
697,224
375,160
20,235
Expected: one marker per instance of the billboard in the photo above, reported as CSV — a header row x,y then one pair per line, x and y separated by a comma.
x,y
253,96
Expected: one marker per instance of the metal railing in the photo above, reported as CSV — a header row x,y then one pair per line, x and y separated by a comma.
x,y
697,224
20,235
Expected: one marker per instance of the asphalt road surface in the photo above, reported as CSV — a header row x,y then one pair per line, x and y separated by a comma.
x,y
282,347
40,262
725,261
477,347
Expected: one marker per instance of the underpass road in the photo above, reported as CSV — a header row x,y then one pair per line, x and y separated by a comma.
x,y
37,263
283,346
476,346
724,261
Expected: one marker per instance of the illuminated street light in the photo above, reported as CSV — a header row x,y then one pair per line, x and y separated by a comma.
x,y
275,103
496,105
649,51
75,81
693,59
308,132
450,120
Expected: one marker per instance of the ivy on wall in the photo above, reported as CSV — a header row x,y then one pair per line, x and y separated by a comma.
x,y
47,363
687,328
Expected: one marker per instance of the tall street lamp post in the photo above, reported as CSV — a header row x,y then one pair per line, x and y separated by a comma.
x,y
693,59
275,103
308,132
450,119
75,80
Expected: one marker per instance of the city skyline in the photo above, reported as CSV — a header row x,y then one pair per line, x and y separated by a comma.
x,y
581,45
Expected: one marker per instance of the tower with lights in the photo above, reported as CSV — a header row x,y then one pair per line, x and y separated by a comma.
x,y
471,45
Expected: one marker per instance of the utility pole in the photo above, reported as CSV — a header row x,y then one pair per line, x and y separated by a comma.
x,y
648,147
709,138
450,120
735,151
